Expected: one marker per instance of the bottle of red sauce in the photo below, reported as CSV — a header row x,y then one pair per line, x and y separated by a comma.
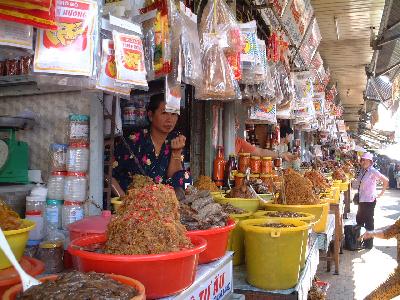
x,y
219,167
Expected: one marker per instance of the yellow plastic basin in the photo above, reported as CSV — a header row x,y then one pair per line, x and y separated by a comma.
x,y
273,255
116,203
17,240
250,205
236,239
344,186
320,212
308,218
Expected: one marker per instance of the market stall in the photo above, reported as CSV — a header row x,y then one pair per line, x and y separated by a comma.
x,y
167,147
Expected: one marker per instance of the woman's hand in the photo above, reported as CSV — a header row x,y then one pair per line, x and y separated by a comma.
x,y
178,143
366,236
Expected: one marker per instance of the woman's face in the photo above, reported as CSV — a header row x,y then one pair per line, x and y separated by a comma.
x,y
365,163
161,120
289,138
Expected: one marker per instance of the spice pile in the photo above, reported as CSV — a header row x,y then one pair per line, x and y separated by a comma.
x,y
80,286
147,223
205,183
243,191
9,219
276,225
230,209
199,211
284,214
139,181
339,174
298,189
318,180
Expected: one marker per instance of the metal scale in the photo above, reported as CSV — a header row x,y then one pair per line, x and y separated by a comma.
x,y
14,154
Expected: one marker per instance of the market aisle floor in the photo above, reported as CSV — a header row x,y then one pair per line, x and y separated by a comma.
x,y
362,271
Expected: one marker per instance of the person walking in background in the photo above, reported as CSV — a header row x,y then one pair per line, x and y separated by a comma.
x,y
366,183
392,177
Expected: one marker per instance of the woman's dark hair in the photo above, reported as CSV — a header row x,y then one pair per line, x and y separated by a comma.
x,y
155,102
285,131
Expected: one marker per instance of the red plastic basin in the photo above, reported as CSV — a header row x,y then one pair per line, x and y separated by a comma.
x,y
10,277
12,293
217,241
162,274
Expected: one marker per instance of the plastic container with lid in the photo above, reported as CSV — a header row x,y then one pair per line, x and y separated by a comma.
x,y
78,157
267,165
35,204
54,213
78,130
39,190
90,225
52,253
56,185
58,157
255,164
75,186
37,233
244,162
71,212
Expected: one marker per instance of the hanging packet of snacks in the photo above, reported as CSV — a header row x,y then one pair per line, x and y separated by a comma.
x,y
191,52
129,59
16,35
71,48
40,13
286,83
156,39
278,90
261,62
310,44
218,18
249,54
319,103
108,72
219,82
263,113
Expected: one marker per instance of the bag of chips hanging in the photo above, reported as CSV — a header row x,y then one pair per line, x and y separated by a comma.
x,y
70,48
108,71
261,113
249,53
43,16
129,58
16,35
156,39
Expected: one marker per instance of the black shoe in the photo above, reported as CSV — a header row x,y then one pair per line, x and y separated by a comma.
x,y
369,244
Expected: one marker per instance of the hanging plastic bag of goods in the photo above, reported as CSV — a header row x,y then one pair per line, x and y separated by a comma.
x,y
69,49
38,13
219,33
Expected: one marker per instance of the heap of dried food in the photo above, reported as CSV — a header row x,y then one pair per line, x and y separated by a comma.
x,y
204,183
276,225
199,211
259,186
339,174
230,209
306,165
284,214
316,292
243,191
348,168
139,181
80,286
320,183
298,189
9,219
147,223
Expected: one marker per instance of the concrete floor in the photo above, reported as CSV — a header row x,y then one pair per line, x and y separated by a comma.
x,y
362,271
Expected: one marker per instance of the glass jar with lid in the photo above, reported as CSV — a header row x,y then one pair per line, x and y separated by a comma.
x,y
55,185
267,165
52,253
58,157
255,164
78,157
239,179
78,130
75,187
244,162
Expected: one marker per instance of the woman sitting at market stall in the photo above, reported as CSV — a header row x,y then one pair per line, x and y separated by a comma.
x,y
155,152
